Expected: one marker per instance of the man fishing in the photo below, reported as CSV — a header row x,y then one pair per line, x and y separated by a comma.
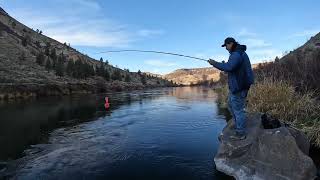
x,y
240,78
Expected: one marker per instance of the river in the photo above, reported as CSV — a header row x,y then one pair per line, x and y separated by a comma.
x,y
168,133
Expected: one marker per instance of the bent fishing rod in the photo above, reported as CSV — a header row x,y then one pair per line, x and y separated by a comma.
x,y
158,52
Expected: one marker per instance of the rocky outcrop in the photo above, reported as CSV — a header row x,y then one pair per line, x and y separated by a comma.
x,y
193,76
275,154
197,76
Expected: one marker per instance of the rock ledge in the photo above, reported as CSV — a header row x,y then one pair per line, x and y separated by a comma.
x,y
277,154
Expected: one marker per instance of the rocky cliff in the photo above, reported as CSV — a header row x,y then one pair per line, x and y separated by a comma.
x,y
193,76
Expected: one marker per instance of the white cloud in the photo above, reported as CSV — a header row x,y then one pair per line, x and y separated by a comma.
x,y
310,32
149,33
260,50
245,33
259,55
256,43
160,63
156,71
81,22
88,4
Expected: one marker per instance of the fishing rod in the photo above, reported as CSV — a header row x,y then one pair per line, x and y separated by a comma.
x,y
158,52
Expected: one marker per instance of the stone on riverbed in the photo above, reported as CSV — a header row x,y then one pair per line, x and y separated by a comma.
x,y
275,154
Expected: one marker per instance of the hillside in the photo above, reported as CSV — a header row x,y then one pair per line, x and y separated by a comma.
x,y
153,74
300,67
199,76
32,64
193,76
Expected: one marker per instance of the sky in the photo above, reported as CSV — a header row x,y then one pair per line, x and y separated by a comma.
x,y
194,28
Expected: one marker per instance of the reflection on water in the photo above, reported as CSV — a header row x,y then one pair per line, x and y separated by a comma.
x,y
166,133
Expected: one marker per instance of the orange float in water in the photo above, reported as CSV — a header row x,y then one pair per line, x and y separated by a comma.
x,y
106,105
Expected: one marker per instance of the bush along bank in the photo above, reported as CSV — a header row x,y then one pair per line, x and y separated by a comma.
x,y
280,100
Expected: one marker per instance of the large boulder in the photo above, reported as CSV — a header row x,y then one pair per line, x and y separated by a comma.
x,y
276,154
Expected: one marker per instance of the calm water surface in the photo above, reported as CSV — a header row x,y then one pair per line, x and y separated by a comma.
x,y
168,133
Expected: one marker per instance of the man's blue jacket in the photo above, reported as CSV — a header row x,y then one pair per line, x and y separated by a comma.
x,y
238,67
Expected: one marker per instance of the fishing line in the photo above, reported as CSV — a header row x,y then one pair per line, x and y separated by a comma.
x,y
158,52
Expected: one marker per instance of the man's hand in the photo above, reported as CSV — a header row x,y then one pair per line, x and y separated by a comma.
x,y
211,61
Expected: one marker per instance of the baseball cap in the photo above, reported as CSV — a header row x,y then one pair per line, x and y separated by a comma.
x,y
227,41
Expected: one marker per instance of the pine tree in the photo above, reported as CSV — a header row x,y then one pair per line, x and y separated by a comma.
x,y
107,75
59,69
62,57
77,69
40,58
47,50
101,69
87,70
139,72
143,79
54,63
26,40
60,65
97,70
90,70
48,64
70,67
53,54
127,77
80,69
116,75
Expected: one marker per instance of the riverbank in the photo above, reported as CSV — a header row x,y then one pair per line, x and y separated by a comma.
x,y
12,91
281,101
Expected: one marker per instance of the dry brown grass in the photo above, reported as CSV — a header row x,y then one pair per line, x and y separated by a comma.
x,y
280,99
301,69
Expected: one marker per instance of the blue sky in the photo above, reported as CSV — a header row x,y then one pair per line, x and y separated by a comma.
x,y
195,28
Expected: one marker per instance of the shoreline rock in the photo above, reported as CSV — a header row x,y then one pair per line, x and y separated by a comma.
x,y
277,154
